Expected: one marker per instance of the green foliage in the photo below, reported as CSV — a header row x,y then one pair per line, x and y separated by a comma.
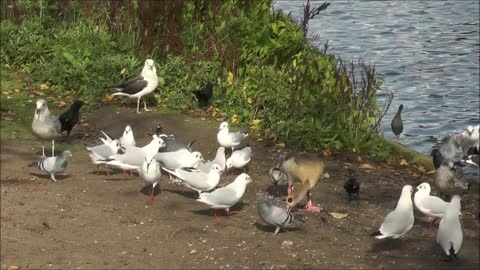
x,y
263,67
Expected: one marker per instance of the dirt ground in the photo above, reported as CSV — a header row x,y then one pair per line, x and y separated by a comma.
x,y
96,221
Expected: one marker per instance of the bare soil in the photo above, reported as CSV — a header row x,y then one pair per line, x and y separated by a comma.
x,y
95,221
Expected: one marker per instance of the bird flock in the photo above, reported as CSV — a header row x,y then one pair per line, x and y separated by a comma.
x,y
167,155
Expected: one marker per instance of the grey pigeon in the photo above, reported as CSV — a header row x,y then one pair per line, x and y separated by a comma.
x,y
274,215
397,124
450,235
449,179
46,126
53,165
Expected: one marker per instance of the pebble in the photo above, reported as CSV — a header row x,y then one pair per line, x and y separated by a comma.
x,y
287,243
193,251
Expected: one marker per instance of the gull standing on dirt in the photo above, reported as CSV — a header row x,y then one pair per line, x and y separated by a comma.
x,y
196,179
180,159
397,123
150,169
134,157
219,160
449,179
139,86
45,125
53,165
431,206
450,235
99,153
227,196
274,215
229,139
127,139
399,221
239,158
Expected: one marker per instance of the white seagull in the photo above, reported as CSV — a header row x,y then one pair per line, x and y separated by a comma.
x,y
150,169
239,158
229,139
399,221
450,235
141,85
431,206
196,179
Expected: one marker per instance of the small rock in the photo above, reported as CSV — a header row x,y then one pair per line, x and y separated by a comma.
x,y
287,243
193,251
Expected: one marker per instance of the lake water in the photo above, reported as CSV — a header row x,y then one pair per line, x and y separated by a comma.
x,y
426,51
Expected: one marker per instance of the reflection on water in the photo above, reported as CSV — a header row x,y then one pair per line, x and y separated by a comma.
x,y
427,52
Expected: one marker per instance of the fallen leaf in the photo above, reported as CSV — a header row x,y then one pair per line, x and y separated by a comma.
x,y
6,92
430,172
421,169
230,78
255,122
12,267
43,86
366,166
403,162
123,71
326,175
16,90
260,140
183,107
327,152
234,119
249,101
280,145
338,215
109,98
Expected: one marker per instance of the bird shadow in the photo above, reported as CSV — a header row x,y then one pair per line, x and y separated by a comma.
x,y
220,212
184,193
277,190
47,176
387,245
145,190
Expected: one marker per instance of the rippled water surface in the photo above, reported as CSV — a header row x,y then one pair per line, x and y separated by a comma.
x,y
426,51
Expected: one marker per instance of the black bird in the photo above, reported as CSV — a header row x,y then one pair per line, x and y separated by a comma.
x,y
397,124
352,186
204,95
437,158
70,118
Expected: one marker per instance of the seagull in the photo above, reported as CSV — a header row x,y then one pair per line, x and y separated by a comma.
x,y
397,124
459,141
274,215
70,118
53,165
133,158
141,85
431,206
449,179
227,196
219,160
196,179
127,139
150,169
173,144
450,235
101,152
179,159
399,221
204,95
46,126
229,139
239,158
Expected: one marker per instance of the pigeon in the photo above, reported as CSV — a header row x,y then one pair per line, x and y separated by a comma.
x,y
398,222
450,235
150,169
460,141
352,186
227,196
397,124
274,215
46,126
101,152
449,179
204,95
53,165
229,139
196,179
219,160
308,169
277,176
70,118
139,86
239,158
180,159
431,206
134,157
